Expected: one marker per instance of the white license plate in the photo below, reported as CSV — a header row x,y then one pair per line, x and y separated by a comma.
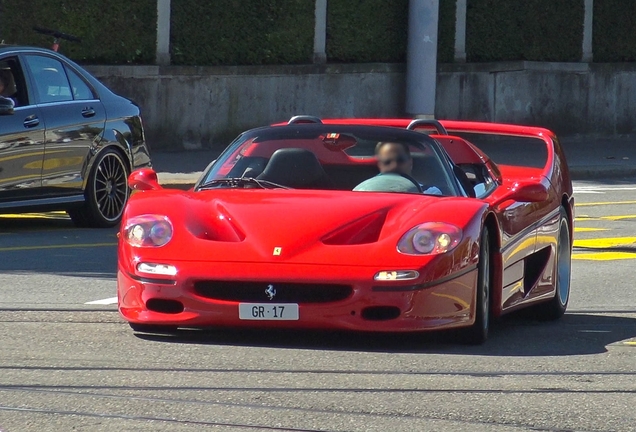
x,y
268,311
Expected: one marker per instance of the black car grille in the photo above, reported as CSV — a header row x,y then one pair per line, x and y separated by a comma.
x,y
285,292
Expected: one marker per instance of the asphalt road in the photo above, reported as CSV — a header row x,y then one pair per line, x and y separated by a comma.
x,y
68,362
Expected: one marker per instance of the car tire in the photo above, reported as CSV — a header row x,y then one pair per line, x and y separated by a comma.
x,y
106,192
556,307
477,333
152,328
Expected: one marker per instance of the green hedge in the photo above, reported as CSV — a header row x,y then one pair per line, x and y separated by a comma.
x,y
446,31
113,32
540,30
235,32
613,31
368,31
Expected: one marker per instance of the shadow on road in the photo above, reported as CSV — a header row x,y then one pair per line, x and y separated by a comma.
x,y
50,243
574,334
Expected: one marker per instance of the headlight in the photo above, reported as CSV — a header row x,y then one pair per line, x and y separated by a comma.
x,y
157,269
148,231
430,238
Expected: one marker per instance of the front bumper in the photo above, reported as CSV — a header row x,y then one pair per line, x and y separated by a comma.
x,y
442,304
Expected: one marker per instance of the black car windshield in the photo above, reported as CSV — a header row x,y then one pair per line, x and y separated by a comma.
x,y
334,157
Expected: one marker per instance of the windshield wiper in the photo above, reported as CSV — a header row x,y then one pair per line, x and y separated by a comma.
x,y
235,182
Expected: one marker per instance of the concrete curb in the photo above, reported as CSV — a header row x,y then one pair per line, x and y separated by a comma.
x,y
185,181
592,172
181,186
178,178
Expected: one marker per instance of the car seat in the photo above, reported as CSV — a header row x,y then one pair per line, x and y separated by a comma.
x,y
296,168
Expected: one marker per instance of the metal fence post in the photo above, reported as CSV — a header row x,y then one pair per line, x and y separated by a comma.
x,y
460,31
320,32
588,23
163,32
421,58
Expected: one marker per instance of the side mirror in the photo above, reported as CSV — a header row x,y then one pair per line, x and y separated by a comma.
x,y
143,179
529,192
6,106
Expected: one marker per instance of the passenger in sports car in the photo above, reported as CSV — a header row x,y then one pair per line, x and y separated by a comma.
x,y
396,158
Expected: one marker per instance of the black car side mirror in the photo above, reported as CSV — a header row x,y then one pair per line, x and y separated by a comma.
x,y
6,106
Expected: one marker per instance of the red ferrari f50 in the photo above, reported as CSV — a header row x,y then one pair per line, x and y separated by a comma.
x,y
298,225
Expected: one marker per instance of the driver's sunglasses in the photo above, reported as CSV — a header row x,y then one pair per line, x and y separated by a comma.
x,y
399,160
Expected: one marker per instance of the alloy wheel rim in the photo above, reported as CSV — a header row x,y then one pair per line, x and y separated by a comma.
x,y
111,190
564,265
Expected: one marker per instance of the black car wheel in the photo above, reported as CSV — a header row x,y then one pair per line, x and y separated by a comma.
x,y
478,332
106,192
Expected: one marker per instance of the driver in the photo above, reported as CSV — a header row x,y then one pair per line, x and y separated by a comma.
x,y
396,158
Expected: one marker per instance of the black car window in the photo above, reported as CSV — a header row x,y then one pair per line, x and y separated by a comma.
x,y
80,90
12,80
51,83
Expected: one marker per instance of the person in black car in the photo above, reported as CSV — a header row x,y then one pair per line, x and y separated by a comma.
x,y
7,85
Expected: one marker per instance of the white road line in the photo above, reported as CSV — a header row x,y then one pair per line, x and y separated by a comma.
x,y
603,188
111,300
581,192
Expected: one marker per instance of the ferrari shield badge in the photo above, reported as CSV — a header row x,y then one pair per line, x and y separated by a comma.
x,y
277,251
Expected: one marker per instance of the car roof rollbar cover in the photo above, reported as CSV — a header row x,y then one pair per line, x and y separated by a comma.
x,y
304,119
441,130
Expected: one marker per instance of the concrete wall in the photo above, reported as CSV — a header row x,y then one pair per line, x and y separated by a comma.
x,y
205,107
569,98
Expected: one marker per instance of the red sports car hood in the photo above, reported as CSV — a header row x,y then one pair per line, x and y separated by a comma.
x,y
294,226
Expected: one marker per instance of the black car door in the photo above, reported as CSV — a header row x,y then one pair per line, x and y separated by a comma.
x,y
74,118
21,136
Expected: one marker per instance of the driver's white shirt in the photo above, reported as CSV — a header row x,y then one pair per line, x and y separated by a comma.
x,y
432,190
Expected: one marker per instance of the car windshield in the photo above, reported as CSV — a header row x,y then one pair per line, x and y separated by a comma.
x,y
333,157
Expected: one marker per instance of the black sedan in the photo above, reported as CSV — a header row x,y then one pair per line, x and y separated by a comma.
x,y
67,142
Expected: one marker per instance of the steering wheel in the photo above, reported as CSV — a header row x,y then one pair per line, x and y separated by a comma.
x,y
390,182
417,184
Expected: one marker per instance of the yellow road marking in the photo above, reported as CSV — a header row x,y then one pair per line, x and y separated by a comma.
x,y
33,214
78,245
591,204
615,218
51,215
584,218
604,256
633,343
605,242
601,218
584,229
34,217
